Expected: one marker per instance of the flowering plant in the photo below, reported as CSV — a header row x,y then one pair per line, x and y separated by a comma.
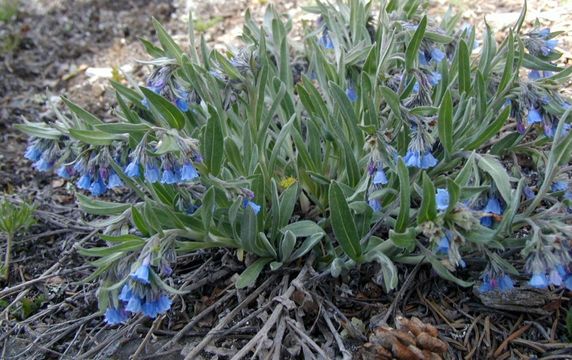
x,y
386,138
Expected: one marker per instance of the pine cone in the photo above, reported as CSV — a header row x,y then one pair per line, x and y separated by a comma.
x,y
411,340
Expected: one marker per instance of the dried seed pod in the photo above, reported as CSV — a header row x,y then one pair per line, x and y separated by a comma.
x,y
428,342
405,324
418,352
404,337
402,352
372,351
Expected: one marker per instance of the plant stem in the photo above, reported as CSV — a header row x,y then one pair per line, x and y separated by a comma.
x,y
8,256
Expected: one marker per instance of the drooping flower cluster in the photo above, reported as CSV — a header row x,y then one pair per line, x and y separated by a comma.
x,y
44,153
419,151
540,42
139,295
163,82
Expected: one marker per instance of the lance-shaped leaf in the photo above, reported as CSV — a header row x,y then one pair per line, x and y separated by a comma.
x,y
343,223
411,54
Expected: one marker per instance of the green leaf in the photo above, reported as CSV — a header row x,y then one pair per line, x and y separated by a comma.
x,y
167,42
498,173
443,272
445,124
94,137
303,228
464,68
164,109
487,133
213,143
412,51
307,245
99,207
123,128
83,114
40,130
288,201
287,245
428,208
404,240
342,223
249,276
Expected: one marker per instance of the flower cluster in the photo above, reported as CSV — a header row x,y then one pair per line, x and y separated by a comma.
x,y
539,42
169,169
43,152
419,151
139,295
163,82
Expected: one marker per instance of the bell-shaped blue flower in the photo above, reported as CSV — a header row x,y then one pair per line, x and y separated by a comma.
x,y
493,207
538,280
442,199
534,116
443,245
141,275
152,173
188,172
254,206
43,164
64,172
156,307
135,304
132,169
114,181
325,40
437,55
115,316
169,177
558,186
33,152
182,104
351,93
84,182
375,205
501,283
417,159
379,177
97,187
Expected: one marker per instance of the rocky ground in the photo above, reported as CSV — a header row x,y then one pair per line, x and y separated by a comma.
x,y
72,48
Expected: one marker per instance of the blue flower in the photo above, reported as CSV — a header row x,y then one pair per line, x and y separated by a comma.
x,y
188,172
115,316
33,152
152,172
493,207
443,245
135,304
528,193
437,55
84,182
434,78
182,104
169,177
325,40
252,205
126,293
501,283
559,186
538,280
375,205
97,187
351,93
442,198
379,177
534,116
132,169
544,33
114,181
418,160
157,306
141,275
64,172
548,47
43,164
